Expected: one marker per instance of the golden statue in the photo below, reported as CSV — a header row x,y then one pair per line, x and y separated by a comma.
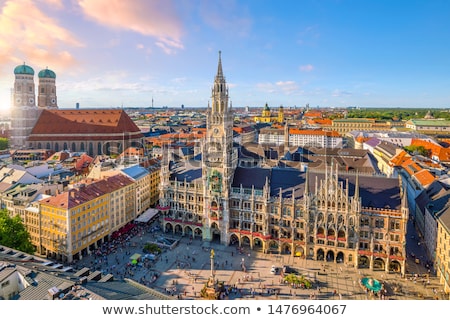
x,y
212,253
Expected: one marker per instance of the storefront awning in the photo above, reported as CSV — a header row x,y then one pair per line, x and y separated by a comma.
x,y
148,215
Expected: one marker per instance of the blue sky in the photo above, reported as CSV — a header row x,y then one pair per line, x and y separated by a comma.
x,y
328,53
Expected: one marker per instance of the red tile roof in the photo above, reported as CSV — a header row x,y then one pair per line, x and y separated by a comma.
x,y
443,154
424,177
77,196
93,122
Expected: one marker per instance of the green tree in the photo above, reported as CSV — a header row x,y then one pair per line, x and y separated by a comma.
x,y
4,143
152,248
292,278
13,233
418,150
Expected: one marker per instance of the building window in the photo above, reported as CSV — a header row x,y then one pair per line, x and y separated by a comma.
x,y
379,223
395,225
364,221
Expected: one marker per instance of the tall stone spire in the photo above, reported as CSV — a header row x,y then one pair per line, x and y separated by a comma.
x,y
219,94
219,75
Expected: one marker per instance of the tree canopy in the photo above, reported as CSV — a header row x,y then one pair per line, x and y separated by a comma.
x,y
397,113
4,143
418,150
13,233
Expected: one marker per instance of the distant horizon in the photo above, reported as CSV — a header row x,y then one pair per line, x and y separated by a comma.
x,y
4,112
292,53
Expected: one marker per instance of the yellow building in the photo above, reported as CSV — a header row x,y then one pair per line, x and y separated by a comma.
x,y
77,221
268,117
146,176
359,124
23,201
443,249
155,178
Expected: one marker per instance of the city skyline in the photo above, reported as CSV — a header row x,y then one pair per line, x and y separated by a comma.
x,y
293,53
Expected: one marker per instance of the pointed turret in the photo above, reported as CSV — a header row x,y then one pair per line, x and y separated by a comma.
x,y
219,75
357,186
306,184
405,206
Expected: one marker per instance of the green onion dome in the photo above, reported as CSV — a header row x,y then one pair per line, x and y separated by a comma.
x,y
46,73
24,69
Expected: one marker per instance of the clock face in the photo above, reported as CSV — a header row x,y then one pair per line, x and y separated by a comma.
x,y
31,100
18,100
216,131
53,101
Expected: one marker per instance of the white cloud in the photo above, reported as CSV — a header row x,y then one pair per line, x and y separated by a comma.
x,y
285,87
179,80
34,37
167,49
150,18
307,68
288,87
266,87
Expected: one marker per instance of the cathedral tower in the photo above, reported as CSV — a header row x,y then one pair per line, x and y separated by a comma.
x,y
23,106
219,160
47,89
23,93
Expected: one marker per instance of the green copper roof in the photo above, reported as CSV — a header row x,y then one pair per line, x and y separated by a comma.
x,y
46,73
24,69
431,122
266,107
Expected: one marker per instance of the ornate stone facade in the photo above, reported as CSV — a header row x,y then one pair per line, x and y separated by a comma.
x,y
328,215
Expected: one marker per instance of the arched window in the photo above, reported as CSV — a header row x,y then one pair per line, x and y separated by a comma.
x,y
330,218
107,150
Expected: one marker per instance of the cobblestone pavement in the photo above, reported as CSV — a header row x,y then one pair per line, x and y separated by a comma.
x,y
184,270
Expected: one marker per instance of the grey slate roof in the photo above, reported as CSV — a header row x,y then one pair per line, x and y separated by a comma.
x,y
375,191
42,283
124,290
189,170
248,177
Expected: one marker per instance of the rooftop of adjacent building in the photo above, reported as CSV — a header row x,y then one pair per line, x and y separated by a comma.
x,y
45,279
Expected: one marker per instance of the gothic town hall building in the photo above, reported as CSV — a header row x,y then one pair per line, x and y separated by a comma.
x,y
225,196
